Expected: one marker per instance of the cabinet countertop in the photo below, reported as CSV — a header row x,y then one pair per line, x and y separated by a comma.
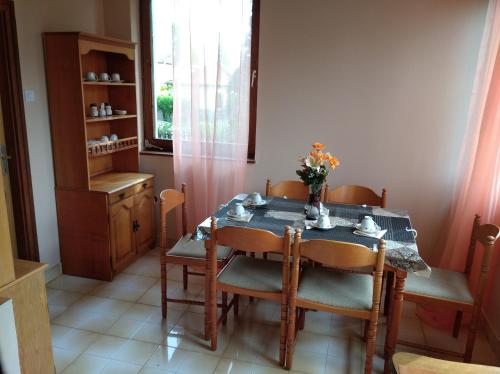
x,y
113,182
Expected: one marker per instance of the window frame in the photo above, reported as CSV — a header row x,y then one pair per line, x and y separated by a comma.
x,y
146,41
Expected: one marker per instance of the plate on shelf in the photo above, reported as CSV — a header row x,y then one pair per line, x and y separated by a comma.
x,y
359,228
90,80
120,81
118,112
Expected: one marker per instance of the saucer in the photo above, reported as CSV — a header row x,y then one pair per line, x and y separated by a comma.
x,y
90,80
232,214
358,227
120,81
315,225
249,202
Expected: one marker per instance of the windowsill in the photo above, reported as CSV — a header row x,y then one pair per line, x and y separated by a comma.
x,y
170,154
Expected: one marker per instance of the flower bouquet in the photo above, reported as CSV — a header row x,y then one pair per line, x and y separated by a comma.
x,y
315,168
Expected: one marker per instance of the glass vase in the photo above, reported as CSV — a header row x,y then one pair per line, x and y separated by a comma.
x,y
314,201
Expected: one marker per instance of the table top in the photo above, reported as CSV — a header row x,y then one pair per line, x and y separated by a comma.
x,y
401,247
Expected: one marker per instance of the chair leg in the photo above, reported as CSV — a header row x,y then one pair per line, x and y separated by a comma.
x,y
302,318
291,336
367,326
236,304
283,327
471,336
264,255
224,308
389,284
370,345
185,276
213,321
163,288
457,324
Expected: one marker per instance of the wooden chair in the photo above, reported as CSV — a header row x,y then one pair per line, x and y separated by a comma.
x,y
351,194
186,252
410,363
348,293
290,189
249,276
451,289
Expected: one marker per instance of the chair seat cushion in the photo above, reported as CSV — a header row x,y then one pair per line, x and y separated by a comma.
x,y
336,288
187,247
253,274
442,284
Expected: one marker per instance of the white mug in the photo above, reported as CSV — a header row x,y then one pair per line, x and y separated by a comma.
x,y
367,223
113,137
104,77
90,76
239,210
104,139
256,198
324,221
115,77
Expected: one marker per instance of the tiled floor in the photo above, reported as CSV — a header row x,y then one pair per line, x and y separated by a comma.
x,y
100,327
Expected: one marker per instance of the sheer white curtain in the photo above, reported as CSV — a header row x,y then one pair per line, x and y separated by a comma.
x,y
211,58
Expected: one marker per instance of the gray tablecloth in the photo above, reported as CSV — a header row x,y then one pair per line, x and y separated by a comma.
x,y
401,247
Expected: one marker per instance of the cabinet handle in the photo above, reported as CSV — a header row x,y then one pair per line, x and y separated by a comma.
x,y
135,226
144,185
122,195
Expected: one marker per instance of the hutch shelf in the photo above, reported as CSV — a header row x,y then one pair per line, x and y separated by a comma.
x,y
105,207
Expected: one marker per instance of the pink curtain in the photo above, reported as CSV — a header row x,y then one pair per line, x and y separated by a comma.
x,y
211,59
477,188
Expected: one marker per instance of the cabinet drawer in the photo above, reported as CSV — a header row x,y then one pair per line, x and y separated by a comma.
x,y
129,191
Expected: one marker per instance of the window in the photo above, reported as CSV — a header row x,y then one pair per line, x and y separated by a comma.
x,y
157,73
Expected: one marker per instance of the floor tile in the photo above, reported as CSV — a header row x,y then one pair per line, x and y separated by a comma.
x,y
309,362
135,352
146,266
125,328
118,367
142,312
106,346
63,358
119,292
311,342
150,370
76,340
55,311
62,298
87,364
74,284
231,366
167,358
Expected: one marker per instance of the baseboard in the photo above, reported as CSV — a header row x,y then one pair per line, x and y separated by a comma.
x,y
52,272
492,335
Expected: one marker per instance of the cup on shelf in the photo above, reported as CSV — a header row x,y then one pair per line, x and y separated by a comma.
x,y
94,112
368,224
113,137
104,139
90,76
102,110
115,77
104,77
109,110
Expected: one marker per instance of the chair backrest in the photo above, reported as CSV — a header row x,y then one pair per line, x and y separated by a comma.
x,y
352,194
169,200
340,255
251,239
487,235
291,189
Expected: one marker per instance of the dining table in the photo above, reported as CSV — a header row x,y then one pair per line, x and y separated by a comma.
x,y
401,251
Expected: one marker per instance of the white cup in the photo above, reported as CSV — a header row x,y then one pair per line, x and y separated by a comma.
x,y
255,198
91,76
113,137
104,139
115,77
239,210
368,224
324,221
104,77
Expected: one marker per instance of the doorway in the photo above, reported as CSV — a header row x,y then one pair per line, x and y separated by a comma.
x,y
15,158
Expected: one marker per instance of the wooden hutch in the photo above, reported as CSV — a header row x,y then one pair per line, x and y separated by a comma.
x,y
105,207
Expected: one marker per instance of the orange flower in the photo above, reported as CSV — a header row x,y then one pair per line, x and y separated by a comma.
x,y
318,146
334,162
326,156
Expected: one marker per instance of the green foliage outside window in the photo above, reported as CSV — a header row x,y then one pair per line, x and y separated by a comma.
x,y
165,109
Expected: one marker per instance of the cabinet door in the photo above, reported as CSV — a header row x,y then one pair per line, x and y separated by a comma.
x,y
122,232
145,216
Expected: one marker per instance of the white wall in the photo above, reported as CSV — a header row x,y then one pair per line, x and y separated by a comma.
x,y
34,17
